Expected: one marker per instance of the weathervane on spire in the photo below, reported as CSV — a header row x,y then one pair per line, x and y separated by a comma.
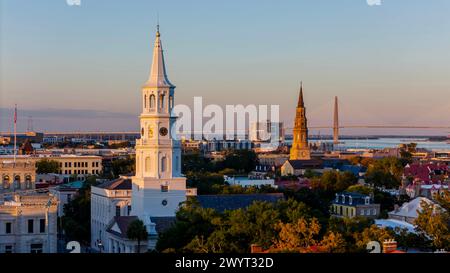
x,y
157,24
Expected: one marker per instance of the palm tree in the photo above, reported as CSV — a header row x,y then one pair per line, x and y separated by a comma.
x,y
137,231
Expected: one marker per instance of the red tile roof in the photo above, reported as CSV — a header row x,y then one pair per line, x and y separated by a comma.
x,y
426,172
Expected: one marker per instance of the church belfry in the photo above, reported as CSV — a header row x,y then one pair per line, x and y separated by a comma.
x,y
158,186
300,149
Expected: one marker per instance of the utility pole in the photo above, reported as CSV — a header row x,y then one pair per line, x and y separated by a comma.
x,y
15,133
47,206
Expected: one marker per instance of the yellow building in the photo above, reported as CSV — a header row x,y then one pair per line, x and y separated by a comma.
x,y
19,175
351,204
80,165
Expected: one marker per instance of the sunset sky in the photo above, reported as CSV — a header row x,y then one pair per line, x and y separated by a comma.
x,y
81,67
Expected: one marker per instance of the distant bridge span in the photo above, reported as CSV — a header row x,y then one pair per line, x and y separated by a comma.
x,y
380,127
309,127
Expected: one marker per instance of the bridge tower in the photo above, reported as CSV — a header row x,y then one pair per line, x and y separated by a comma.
x,y
336,122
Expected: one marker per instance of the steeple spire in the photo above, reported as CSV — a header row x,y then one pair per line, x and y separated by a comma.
x,y
300,148
158,75
300,97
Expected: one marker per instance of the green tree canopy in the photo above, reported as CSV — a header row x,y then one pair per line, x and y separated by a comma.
x,y
298,235
76,221
385,173
243,161
334,181
137,231
434,222
123,166
45,165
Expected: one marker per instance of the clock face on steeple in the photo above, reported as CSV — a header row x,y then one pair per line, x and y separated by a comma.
x,y
163,131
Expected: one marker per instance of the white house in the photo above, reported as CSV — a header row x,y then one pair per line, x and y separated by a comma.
x,y
108,200
249,181
409,211
28,224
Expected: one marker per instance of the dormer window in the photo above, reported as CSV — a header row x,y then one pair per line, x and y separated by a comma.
x,y
350,200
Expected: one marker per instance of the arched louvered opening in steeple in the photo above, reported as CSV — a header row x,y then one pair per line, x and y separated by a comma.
x,y
170,102
152,102
161,102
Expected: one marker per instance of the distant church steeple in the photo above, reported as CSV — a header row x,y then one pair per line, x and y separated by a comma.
x,y
300,148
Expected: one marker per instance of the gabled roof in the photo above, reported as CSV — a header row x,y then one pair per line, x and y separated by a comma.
x,y
426,172
236,201
117,184
304,164
163,223
353,169
393,223
412,208
119,225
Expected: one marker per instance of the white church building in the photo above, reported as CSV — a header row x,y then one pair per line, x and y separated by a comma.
x,y
157,188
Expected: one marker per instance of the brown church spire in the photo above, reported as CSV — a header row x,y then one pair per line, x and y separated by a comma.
x,y
300,97
300,147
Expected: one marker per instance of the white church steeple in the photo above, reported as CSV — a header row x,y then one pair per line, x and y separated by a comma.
x,y
158,186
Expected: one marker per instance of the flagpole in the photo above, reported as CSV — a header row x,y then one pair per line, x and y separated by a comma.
x,y
15,132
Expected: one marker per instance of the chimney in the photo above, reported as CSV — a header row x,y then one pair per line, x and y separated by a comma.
x,y
389,246
255,248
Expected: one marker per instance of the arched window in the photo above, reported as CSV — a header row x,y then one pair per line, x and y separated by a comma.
x,y
17,182
147,164
28,181
163,164
6,182
145,101
152,101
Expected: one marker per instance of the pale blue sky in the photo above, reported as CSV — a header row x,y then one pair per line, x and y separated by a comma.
x,y
388,64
